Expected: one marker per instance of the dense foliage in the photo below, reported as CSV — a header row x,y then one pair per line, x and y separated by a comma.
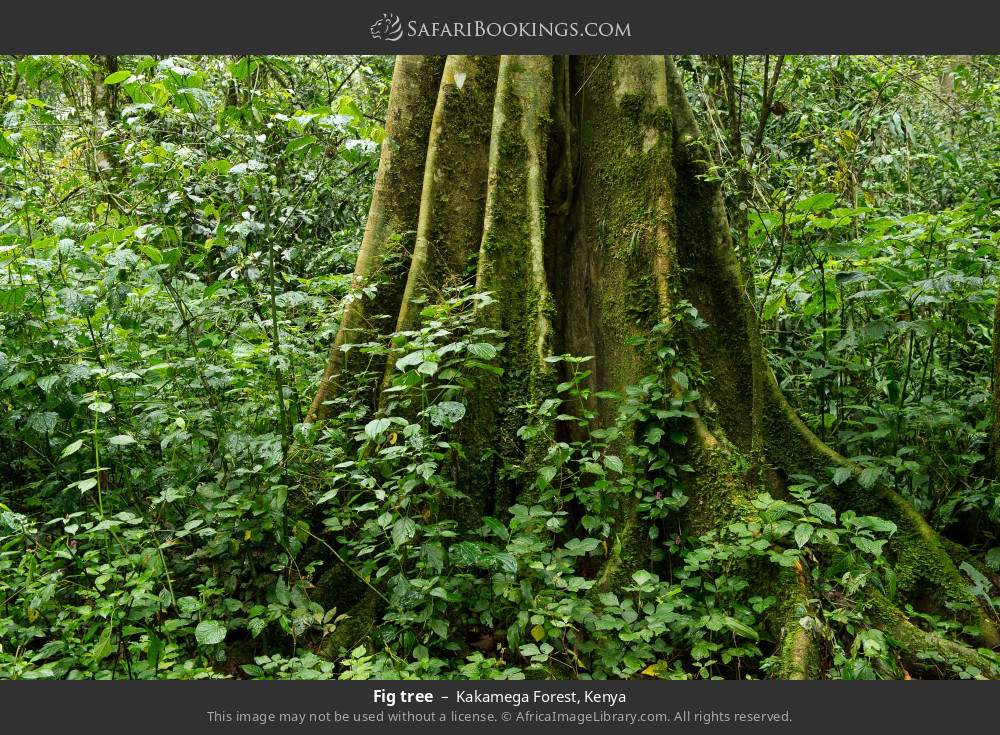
x,y
177,238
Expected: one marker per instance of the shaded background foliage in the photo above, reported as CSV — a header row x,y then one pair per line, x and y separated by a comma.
x,y
177,235
866,188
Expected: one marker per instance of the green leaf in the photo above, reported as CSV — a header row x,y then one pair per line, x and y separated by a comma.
x,y
71,448
869,476
867,545
497,527
100,407
632,662
403,530
434,554
117,77
530,649
504,561
841,475
376,427
740,628
659,670
299,143
122,439
103,647
653,435
824,512
428,367
465,553
981,586
210,632
154,254
241,69
171,256
817,202
7,148
411,360
43,421
608,599
439,626
641,577
803,532
614,463
527,433
483,350
993,558
281,592
577,547
772,306
47,382
446,413
11,298
846,277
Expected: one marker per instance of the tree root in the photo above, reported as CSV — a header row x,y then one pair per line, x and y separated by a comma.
x,y
923,650
926,574
798,650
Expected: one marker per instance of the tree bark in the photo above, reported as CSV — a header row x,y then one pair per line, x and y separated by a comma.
x,y
576,185
389,237
104,107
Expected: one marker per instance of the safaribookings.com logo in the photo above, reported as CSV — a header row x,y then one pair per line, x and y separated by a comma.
x,y
390,28
387,28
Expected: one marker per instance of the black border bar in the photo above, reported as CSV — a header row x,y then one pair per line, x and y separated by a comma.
x,y
357,707
663,26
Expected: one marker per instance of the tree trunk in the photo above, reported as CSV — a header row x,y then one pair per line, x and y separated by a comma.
x,y
575,183
104,104
388,243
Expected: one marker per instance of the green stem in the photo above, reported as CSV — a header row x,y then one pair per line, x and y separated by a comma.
x,y
97,465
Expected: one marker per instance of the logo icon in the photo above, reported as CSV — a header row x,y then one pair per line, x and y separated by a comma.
x,y
387,28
